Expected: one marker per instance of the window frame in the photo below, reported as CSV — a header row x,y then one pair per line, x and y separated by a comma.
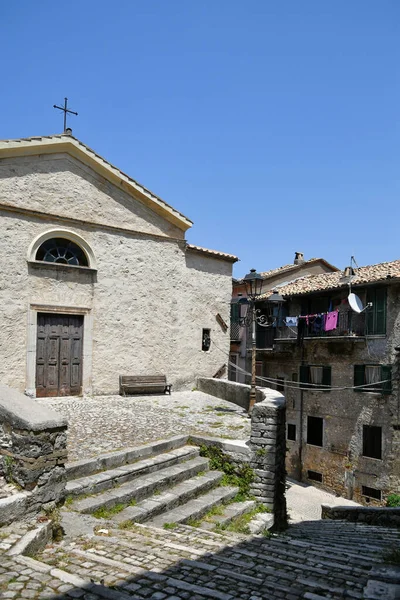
x,y
360,374
305,378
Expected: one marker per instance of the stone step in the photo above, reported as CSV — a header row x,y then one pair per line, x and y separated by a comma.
x,y
229,512
98,482
194,509
175,496
141,487
111,460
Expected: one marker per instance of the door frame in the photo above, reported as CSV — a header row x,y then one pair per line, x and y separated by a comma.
x,y
87,348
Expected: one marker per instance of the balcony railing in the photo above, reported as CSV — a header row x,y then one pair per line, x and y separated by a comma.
x,y
350,324
235,331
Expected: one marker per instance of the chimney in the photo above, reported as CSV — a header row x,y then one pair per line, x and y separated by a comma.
x,y
298,258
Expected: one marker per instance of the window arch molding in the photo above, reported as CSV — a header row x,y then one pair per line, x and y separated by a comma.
x,y
66,234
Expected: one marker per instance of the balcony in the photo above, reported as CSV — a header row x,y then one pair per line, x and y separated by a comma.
x,y
350,325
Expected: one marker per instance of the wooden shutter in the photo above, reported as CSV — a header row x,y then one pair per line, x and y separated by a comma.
x,y
359,376
304,376
380,311
326,377
386,373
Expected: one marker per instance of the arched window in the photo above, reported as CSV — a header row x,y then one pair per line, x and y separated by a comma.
x,y
63,247
61,250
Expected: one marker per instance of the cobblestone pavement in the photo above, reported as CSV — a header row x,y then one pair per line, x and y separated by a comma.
x,y
328,560
106,423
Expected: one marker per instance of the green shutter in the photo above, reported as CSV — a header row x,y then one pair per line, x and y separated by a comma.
x,y
304,376
380,311
359,376
386,374
326,377
235,312
376,315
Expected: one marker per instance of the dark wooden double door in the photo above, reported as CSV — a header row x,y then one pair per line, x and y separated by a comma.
x,y
59,355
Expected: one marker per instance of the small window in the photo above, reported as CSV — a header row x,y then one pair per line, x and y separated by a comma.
x,y
62,251
315,427
373,378
291,432
372,441
206,340
370,492
314,476
315,377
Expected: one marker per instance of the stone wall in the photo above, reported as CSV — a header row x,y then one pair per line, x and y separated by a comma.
x,y
388,517
267,445
33,453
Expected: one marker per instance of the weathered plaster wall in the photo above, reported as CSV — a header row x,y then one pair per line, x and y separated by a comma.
x,y
148,302
345,412
60,184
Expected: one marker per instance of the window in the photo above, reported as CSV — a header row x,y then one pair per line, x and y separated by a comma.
x,y
61,251
315,377
372,441
291,432
232,371
376,315
370,492
314,476
315,426
377,378
206,340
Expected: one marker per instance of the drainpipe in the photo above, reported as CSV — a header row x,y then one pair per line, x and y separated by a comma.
x,y
301,420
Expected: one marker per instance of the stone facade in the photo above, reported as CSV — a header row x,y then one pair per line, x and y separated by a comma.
x,y
145,297
339,462
33,453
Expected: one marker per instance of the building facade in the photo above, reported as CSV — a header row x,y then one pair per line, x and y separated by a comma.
x,y
341,384
273,279
97,279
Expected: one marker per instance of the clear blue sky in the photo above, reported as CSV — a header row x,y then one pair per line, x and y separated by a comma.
x,y
273,125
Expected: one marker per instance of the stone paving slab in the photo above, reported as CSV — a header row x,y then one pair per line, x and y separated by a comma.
x,y
106,423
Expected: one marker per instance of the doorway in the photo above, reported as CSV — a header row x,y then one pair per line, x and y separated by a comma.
x,y
59,355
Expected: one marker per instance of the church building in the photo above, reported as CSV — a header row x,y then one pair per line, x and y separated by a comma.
x,y
97,279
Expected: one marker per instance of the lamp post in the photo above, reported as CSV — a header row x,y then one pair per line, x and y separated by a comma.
x,y
253,282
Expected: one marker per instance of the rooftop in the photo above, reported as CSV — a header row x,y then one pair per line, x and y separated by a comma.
x,y
214,253
337,280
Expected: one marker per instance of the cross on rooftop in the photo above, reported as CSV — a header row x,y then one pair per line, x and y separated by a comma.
x,y
65,110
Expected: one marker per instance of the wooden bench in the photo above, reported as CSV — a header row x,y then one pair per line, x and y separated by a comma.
x,y
150,384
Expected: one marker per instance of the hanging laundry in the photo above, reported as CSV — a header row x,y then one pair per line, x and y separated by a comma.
x,y
331,320
301,330
318,324
291,321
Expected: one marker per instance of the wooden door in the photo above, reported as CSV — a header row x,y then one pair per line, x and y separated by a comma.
x,y
59,355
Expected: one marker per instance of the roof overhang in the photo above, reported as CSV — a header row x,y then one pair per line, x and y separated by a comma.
x,y
68,144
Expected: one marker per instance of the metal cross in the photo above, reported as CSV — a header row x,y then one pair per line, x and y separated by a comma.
x,y
65,110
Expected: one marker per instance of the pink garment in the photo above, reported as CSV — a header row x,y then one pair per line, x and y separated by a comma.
x,y
331,319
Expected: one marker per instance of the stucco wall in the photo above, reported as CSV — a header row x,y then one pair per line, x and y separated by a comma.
x,y
148,301
60,184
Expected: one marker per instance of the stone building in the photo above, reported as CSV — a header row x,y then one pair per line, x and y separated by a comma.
x,y
342,385
97,279
271,279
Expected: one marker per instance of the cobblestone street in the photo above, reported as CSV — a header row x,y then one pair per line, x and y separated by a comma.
x,y
106,423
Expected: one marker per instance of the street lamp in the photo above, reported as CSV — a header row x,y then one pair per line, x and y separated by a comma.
x,y
253,282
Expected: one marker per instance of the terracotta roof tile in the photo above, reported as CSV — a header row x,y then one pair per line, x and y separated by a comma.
x,y
215,253
329,281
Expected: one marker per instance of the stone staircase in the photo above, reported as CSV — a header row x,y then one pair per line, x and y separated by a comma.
x,y
161,483
313,560
140,545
